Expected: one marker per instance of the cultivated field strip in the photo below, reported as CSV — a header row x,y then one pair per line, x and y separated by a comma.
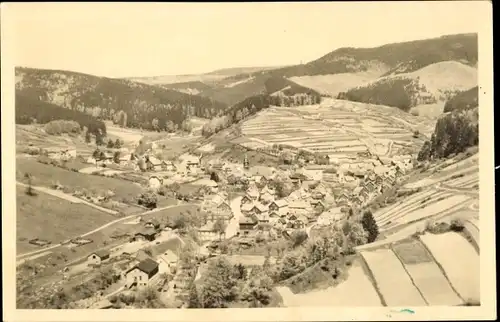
x,y
425,274
410,205
442,207
459,261
392,280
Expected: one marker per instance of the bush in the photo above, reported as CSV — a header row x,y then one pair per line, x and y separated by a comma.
x,y
58,127
370,226
147,199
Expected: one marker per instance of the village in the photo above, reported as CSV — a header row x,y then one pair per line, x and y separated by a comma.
x,y
240,204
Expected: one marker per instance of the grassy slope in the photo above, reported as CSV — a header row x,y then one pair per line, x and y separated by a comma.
x,y
48,217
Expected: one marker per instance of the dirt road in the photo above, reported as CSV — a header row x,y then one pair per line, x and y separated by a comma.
x,y
68,197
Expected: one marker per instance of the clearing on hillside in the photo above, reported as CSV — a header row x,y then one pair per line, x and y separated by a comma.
x,y
461,266
388,272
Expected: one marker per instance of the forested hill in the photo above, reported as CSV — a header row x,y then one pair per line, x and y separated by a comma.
x,y
135,104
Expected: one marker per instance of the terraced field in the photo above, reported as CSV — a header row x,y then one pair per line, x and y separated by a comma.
x,y
428,204
337,127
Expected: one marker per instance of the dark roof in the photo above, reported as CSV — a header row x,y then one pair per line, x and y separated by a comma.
x,y
101,253
247,220
147,266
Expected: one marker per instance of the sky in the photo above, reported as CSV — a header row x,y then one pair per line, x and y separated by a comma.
x,y
150,39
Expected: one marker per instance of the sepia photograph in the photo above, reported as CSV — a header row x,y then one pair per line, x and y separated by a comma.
x,y
304,158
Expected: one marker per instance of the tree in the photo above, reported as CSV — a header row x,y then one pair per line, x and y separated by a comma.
x,y
29,189
147,199
370,226
116,157
298,237
110,144
194,301
96,154
87,137
118,144
98,138
214,176
220,227
219,286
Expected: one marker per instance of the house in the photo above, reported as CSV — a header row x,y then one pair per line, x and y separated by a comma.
x,y
259,208
298,207
276,205
207,232
97,257
142,273
169,261
365,194
319,206
155,182
192,162
370,186
146,234
168,165
358,200
246,199
296,179
247,207
343,199
399,172
152,223
253,193
386,186
266,196
124,160
246,225
356,191
379,180
263,217
153,164
300,222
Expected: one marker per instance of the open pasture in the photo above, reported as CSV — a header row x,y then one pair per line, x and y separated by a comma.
x,y
388,272
54,219
461,266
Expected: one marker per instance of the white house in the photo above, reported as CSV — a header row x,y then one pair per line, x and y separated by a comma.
x,y
142,273
97,257
207,232
155,182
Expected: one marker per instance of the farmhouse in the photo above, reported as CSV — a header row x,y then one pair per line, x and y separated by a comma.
x,y
246,225
124,160
263,217
142,273
247,207
192,161
259,208
168,165
370,186
343,199
168,260
207,232
253,193
298,207
246,199
365,194
154,164
146,234
155,182
278,204
97,257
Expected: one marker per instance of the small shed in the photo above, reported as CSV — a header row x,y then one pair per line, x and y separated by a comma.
x,y
96,258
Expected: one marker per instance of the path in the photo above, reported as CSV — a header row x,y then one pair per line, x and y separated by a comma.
x,y
102,227
68,197
463,191
233,226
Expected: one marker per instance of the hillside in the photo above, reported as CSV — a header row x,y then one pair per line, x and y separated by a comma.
x,y
126,102
431,84
337,71
30,109
463,101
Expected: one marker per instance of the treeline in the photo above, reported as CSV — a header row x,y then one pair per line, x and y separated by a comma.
x,y
454,133
138,104
463,101
30,110
390,92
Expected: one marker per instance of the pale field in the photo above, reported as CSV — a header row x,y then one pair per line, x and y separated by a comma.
x,y
433,284
391,278
332,84
344,294
468,170
397,207
129,136
429,110
459,261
